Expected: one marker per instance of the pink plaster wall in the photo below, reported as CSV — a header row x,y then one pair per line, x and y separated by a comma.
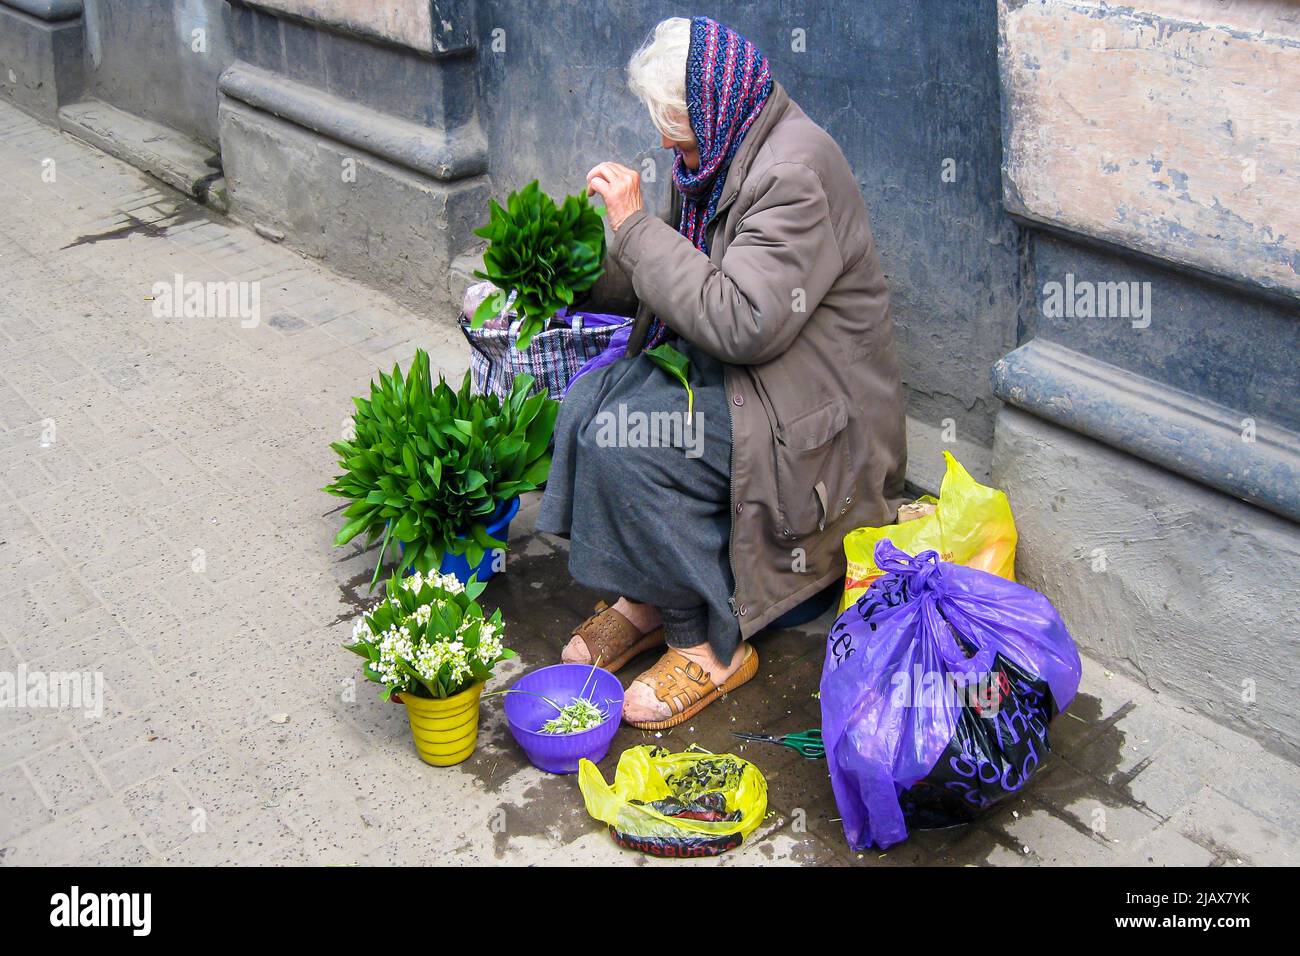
x,y
1170,126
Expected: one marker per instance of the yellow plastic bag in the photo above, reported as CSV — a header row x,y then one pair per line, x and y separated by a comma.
x,y
676,805
971,525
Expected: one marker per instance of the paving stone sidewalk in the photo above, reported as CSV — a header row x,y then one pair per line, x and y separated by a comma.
x,y
161,524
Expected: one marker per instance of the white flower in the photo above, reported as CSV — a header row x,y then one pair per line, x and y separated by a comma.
x,y
458,658
428,661
448,582
393,648
489,643
444,658
489,649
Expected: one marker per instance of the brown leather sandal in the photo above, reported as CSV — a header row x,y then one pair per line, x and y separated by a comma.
x,y
686,687
612,640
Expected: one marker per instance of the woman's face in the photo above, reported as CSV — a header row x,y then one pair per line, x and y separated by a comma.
x,y
690,150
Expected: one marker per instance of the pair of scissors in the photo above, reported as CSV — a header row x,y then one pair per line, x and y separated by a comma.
x,y
808,743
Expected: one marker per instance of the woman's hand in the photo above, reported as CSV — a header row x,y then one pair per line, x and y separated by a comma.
x,y
620,187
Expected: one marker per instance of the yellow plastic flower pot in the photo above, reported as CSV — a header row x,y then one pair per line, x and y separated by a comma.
x,y
445,731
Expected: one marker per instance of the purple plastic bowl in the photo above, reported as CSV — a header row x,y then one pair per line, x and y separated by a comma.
x,y
562,683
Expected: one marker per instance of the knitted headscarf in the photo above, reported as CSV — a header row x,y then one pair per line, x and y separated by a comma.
x,y
727,83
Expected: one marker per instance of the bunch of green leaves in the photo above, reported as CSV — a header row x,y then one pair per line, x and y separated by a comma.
x,y
544,253
430,467
428,637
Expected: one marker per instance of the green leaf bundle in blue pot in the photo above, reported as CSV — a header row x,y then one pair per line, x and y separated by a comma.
x,y
436,472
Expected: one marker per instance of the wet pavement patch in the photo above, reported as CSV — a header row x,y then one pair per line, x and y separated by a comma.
x,y
551,808
149,228
541,605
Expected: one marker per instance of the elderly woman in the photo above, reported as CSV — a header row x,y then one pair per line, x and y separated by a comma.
x,y
768,281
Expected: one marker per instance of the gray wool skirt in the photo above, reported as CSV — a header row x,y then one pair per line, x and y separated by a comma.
x,y
643,493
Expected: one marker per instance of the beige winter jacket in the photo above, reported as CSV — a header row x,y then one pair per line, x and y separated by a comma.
x,y
792,299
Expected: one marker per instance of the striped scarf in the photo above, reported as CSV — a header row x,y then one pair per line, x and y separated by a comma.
x,y
727,83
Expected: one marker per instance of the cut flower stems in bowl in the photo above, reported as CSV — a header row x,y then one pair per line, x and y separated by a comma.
x,y
581,701
579,715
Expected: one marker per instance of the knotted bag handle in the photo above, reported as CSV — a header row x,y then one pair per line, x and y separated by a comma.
x,y
925,581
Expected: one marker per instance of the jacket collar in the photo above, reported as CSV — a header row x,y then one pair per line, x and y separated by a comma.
x,y
778,103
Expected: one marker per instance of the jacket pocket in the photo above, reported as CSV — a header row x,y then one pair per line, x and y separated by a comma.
x,y
814,469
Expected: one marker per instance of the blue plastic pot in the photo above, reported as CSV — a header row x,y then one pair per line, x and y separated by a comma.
x,y
563,683
458,564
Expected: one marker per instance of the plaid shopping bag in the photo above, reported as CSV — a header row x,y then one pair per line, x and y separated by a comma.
x,y
553,356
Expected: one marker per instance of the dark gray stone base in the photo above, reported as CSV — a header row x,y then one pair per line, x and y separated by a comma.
x,y
1179,585
383,224
41,66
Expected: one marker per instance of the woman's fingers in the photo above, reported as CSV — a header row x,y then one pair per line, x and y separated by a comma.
x,y
600,171
611,172
608,177
598,180
619,186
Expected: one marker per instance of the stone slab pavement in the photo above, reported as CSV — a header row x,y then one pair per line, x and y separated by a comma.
x,y
161,526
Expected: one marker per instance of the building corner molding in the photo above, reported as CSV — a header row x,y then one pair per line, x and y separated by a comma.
x,y
1239,453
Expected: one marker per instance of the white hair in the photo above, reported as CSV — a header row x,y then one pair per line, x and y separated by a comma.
x,y
657,75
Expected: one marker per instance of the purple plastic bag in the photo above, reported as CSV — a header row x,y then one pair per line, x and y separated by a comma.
x,y
936,695
612,352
